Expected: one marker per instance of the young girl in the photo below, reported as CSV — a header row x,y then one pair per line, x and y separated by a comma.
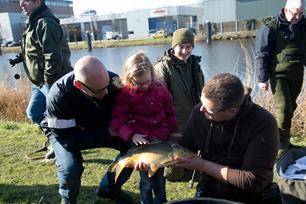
x,y
144,113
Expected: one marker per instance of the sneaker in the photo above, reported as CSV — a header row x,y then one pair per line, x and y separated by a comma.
x,y
119,198
63,201
50,153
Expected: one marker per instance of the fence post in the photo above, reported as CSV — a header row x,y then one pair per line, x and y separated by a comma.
x,y
88,38
221,27
209,32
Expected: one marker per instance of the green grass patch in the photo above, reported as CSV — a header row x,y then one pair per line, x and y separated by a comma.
x,y
25,181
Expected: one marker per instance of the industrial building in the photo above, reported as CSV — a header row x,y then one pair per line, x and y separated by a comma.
x,y
218,11
133,24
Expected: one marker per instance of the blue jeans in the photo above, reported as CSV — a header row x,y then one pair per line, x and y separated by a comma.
x,y
37,104
156,184
70,162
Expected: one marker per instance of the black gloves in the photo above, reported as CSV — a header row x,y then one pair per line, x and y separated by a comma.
x,y
16,60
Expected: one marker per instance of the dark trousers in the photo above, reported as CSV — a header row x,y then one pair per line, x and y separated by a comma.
x,y
67,148
285,92
153,189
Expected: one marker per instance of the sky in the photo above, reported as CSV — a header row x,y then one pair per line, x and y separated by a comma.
x,y
114,6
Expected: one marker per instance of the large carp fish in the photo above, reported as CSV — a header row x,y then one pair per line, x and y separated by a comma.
x,y
155,155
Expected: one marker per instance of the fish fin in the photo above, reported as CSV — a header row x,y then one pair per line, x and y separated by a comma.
x,y
168,163
153,169
119,166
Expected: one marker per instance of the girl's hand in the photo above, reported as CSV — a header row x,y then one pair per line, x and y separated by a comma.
x,y
139,139
141,167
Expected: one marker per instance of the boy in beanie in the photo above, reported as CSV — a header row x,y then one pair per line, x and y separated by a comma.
x,y
181,72
182,36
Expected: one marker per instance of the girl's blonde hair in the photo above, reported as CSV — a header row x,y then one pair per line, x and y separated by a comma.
x,y
135,66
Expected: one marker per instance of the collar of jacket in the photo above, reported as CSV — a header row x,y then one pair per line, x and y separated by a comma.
x,y
244,110
37,13
281,18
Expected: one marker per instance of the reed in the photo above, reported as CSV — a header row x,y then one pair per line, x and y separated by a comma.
x,y
13,102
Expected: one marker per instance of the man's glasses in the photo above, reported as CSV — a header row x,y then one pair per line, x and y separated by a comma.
x,y
210,112
298,15
89,91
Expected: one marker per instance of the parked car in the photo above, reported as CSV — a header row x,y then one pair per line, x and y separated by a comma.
x,y
14,44
112,35
161,34
151,32
5,43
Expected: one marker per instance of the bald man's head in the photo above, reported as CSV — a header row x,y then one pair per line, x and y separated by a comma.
x,y
91,76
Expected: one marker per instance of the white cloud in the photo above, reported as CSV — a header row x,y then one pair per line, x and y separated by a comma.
x,y
113,6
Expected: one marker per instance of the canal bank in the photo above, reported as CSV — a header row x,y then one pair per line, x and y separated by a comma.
x,y
144,41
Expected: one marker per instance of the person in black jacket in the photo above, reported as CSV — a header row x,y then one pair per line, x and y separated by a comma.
x,y
78,117
280,59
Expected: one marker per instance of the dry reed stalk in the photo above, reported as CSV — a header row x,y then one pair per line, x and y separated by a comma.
x,y
13,102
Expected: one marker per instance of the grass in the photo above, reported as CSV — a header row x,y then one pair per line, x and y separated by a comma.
x,y
105,43
25,181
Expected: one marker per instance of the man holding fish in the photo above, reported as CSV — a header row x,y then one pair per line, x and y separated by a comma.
x,y
238,141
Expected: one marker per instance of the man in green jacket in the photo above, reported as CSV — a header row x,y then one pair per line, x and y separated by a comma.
x,y
181,72
44,52
280,59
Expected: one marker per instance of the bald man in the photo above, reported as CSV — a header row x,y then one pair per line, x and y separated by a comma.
x,y
280,59
78,116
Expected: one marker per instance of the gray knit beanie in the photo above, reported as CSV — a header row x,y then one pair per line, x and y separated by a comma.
x,y
183,36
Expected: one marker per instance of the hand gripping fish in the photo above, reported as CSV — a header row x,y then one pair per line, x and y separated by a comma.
x,y
155,155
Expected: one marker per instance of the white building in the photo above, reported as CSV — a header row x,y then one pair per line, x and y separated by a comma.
x,y
134,24
218,11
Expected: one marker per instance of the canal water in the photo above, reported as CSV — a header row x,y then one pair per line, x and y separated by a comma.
x,y
219,57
